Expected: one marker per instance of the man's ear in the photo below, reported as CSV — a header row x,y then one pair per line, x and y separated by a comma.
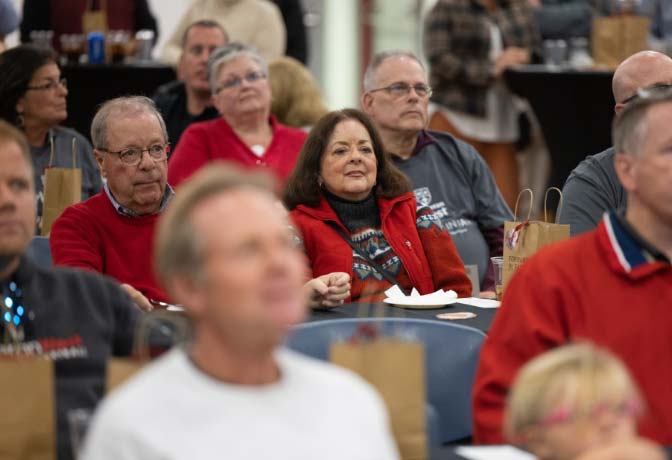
x,y
624,164
366,101
99,161
188,291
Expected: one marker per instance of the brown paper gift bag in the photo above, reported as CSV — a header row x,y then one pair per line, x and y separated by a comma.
x,y
28,422
615,38
94,20
396,368
62,188
121,369
524,239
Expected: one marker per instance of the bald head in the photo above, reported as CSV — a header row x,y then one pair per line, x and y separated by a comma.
x,y
641,70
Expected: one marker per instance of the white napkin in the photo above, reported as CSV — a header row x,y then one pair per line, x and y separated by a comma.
x,y
480,303
493,453
395,293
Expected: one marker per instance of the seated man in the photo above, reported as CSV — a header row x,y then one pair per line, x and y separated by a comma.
x,y
224,251
448,175
612,285
189,100
77,319
593,188
113,232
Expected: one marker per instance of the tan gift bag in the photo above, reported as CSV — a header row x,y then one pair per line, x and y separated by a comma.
x,y
94,21
28,422
523,239
121,369
615,38
396,368
62,188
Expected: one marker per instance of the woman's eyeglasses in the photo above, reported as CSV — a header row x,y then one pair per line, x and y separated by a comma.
x,y
51,86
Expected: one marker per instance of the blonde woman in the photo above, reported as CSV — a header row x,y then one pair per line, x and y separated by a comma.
x,y
577,402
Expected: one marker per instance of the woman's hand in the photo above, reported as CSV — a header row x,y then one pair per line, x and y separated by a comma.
x,y
511,57
136,296
328,291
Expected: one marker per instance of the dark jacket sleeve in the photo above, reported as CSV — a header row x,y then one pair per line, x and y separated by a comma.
x,y
36,16
144,19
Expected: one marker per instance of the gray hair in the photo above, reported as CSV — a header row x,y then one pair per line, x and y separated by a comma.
x,y
629,129
122,106
227,53
381,57
178,250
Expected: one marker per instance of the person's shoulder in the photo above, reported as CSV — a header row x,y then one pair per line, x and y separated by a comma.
x,y
594,166
290,132
90,207
70,133
77,281
266,7
170,89
206,127
454,149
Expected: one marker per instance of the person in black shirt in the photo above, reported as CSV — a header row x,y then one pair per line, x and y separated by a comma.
x,y
77,319
188,100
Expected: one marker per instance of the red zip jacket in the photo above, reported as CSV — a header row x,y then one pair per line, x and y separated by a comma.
x,y
424,247
600,287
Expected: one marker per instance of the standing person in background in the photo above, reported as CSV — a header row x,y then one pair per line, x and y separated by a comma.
x,y
9,21
255,23
33,98
469,44
292,15
65,16
189,99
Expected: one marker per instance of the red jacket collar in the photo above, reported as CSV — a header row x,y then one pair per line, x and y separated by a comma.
x,y
325,212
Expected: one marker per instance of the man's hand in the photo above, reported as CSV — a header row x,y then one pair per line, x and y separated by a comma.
x,y
511,57
328,291
137,297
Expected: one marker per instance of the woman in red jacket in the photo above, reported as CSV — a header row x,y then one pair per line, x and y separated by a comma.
x,y
356,214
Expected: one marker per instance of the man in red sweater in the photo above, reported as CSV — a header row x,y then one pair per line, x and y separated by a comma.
x,y
612,286
113,232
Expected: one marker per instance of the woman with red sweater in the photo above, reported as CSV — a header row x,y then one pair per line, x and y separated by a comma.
x,y
356,214
246,133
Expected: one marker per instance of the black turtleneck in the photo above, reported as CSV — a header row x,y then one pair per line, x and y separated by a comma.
x,y
355,214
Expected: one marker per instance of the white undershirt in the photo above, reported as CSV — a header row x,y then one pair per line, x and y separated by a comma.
x,y
173,411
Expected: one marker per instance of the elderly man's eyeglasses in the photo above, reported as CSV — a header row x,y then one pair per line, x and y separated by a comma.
x,y
237,81
403,89
133,155
648,92
51,86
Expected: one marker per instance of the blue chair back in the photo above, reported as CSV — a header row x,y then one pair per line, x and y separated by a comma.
x,y
451,357
39,251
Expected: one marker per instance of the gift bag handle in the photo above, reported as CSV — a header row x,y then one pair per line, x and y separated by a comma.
x,y
558,209
529,210
74,151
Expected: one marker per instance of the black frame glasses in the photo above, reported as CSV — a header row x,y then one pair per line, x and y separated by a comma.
x,y
401,89
133,155
51,86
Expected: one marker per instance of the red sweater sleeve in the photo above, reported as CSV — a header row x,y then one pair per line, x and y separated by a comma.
x,y
444,261
529,322
74,242
190,155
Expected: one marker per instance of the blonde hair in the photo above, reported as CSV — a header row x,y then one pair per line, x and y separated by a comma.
x,y
296,99
589,374
178,249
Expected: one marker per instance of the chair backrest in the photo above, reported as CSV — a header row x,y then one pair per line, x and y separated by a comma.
x,y
451,357
39,251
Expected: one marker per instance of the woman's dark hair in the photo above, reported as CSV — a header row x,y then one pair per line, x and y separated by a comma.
x,y
303,187
17,66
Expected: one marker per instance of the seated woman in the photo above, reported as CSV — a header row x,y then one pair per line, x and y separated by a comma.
x,y
297,100
345,191
33,98
577,402
246,132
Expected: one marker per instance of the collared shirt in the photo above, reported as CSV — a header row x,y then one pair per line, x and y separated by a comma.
x,y
631,249
124,211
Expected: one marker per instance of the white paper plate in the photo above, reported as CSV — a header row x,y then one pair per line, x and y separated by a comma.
x,y
419,304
